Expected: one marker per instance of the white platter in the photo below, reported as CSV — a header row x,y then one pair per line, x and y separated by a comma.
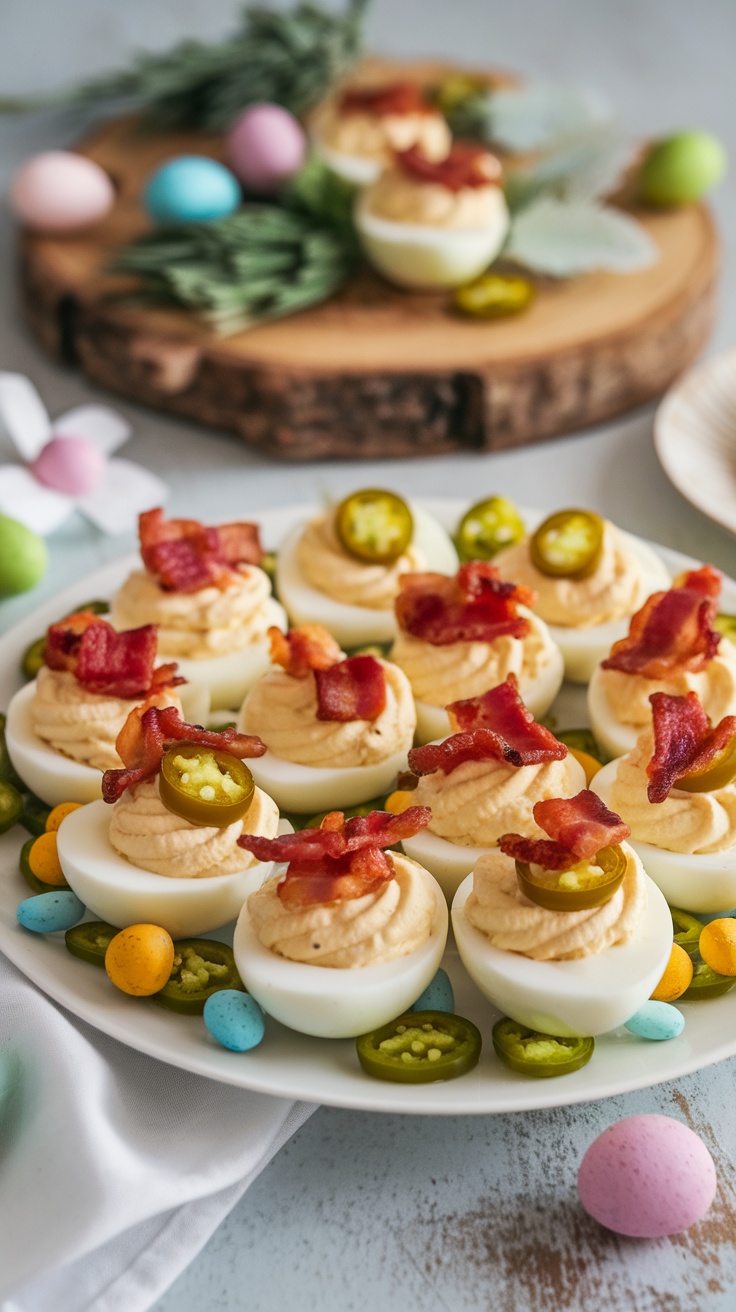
x,y
327,1071
695,437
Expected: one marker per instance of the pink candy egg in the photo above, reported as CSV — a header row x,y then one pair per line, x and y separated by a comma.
x,y
59,191
647,1176
265,146
70,464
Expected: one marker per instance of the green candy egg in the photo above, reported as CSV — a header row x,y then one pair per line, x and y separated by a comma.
x,y
681,168
23,557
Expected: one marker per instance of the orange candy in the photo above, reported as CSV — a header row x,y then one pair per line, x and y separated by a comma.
x,y
588,762
398,801
676,978
139,959
43,860
60,813
718,945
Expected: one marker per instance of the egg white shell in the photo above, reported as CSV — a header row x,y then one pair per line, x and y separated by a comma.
x,y
692,881
584,649
614,737
538,695
568,998
450,863
123,894
52,777
335,1003
353,626
423,258
228,678
360,170
309,789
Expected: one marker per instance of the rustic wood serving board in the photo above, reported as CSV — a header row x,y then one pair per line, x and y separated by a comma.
x,y
374,372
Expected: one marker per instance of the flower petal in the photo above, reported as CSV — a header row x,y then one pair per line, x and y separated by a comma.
x,y
36,506
23,415
127,489
98,423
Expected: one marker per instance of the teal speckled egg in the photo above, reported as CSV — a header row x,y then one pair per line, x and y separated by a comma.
x,y
234,1019
657,1021
438,995
681,168
23,557
48,913
191,189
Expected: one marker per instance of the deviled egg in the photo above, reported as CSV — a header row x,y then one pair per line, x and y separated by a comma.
x,y
427,224
342,569
357,132
590,577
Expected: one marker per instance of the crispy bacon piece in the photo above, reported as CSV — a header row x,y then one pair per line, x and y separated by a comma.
x,y
495,727
465,166
355,689
577,826
394,98
684,741
147,733
106,662
673,631
340,860
307,647
185,555
474,606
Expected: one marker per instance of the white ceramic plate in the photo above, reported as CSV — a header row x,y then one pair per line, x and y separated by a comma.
x,y
323,1070
695,437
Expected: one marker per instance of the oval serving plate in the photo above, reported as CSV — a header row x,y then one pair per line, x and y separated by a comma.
x,y
695,437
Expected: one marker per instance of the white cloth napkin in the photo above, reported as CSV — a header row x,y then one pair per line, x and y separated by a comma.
x,y
115,1169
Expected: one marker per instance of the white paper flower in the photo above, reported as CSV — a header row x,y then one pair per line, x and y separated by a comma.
x,y
68,466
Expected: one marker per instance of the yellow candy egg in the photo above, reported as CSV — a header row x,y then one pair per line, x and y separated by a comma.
x,y
139,959
676,978
588,762
59,813
398,801
718,946
43,860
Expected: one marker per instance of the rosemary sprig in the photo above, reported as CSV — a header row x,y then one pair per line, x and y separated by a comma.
x,y
291,58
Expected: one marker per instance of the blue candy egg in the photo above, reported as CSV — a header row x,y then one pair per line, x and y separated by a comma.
x,y
191,189
234,1019
657,1020
438,995
50,912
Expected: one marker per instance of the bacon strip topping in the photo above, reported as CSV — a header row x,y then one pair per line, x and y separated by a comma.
x,y
145,737
340,860
673,631
394,98
353,688
578,827
684,741
465,166
106,662
307,647
494,727
474,606
185,555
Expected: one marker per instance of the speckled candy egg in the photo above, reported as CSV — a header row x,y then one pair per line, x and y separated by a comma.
x,y
656,1021
49,913
191,189
438,995
647,1176
59,191
234,1019
23,557
70,464
265,147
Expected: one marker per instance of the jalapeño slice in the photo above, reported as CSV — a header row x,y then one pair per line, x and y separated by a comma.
x,y
374,526
542,1055
90,941
11,806
487,528
204,786
706,983
494,296
420,1047
686,931
587,884
201,967
568,544
582,740
720,772
726,625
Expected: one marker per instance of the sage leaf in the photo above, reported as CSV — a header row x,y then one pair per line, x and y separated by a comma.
x,y
565,238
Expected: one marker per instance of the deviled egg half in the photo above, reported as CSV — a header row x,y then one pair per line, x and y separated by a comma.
x,y
337,729
342,569
349,936
677,791
427,225
458,637
563,972
589,578
357,132
166,851
204,589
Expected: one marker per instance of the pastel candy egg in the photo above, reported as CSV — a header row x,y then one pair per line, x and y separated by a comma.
x,y
50,912
59,191
70,464
647,1176
265,146
681,168
438,995
23,557
656,1021
234,1019
191,189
